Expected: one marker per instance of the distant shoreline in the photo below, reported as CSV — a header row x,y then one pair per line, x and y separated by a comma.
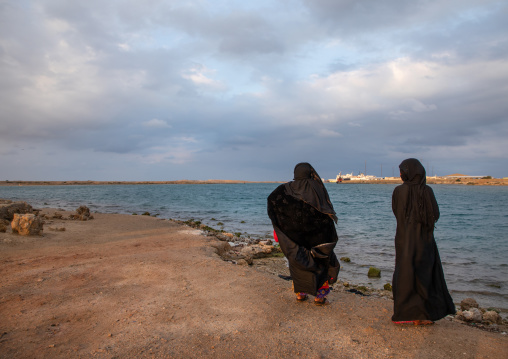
x,y
431,180
92,183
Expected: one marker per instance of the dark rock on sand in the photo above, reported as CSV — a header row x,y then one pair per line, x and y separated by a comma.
x,y
3,225
82,214
9,208
468,303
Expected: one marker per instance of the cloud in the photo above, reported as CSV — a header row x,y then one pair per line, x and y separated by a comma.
x,y
248,89
329,133
156,123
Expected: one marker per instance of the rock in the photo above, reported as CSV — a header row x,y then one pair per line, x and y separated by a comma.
x,y
57,215
492,317
4,224
374,272
471,315
345,259
7,210
267,242
257,251
27,224
468,303
242,262
388,287
221,248
83,214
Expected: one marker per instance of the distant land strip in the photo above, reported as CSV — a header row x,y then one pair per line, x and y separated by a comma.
x,y
82,183
430,180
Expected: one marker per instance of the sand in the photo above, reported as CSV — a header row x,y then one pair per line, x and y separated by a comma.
x,y
122,286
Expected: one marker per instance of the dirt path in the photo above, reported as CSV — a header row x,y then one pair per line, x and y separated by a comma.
x,y
124,286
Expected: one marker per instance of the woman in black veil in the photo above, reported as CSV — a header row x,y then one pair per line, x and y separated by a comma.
x,y
420,293
303,220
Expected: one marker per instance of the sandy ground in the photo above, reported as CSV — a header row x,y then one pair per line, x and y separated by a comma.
x,y
123,286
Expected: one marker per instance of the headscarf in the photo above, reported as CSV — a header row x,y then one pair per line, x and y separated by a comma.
x,y
307,186
418,206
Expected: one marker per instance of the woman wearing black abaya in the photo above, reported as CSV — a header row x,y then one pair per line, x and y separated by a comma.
x,y
303,220
420,293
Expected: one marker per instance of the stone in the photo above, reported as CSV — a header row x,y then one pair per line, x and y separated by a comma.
x,y
471,315
83,214
345,259
458,315
27,224
468,303
374,272
4,224
242,262
492,317
257,251
7,210
387,287
221,247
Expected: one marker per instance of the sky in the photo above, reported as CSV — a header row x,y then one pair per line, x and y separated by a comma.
x,y
153,90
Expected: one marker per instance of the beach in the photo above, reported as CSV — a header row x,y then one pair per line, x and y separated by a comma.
x,y
124,286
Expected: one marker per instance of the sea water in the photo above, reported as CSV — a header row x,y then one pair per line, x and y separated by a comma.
x,y
472,233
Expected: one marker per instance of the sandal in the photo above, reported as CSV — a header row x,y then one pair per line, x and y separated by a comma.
x,y
320,301
302,298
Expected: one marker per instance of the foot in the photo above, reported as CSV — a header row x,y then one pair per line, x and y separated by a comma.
x,y
301,297
321,301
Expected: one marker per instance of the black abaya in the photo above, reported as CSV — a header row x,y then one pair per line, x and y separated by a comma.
x,y
419,286
303,218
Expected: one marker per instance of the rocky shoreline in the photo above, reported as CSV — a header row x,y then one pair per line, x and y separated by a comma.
x,y
266,255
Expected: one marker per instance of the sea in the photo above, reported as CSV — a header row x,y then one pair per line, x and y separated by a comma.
x,y
471,235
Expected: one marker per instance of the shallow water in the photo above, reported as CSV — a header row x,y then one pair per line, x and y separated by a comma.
x,y
471,234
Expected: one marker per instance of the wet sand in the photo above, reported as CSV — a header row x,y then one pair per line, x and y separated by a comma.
x,y
122,286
